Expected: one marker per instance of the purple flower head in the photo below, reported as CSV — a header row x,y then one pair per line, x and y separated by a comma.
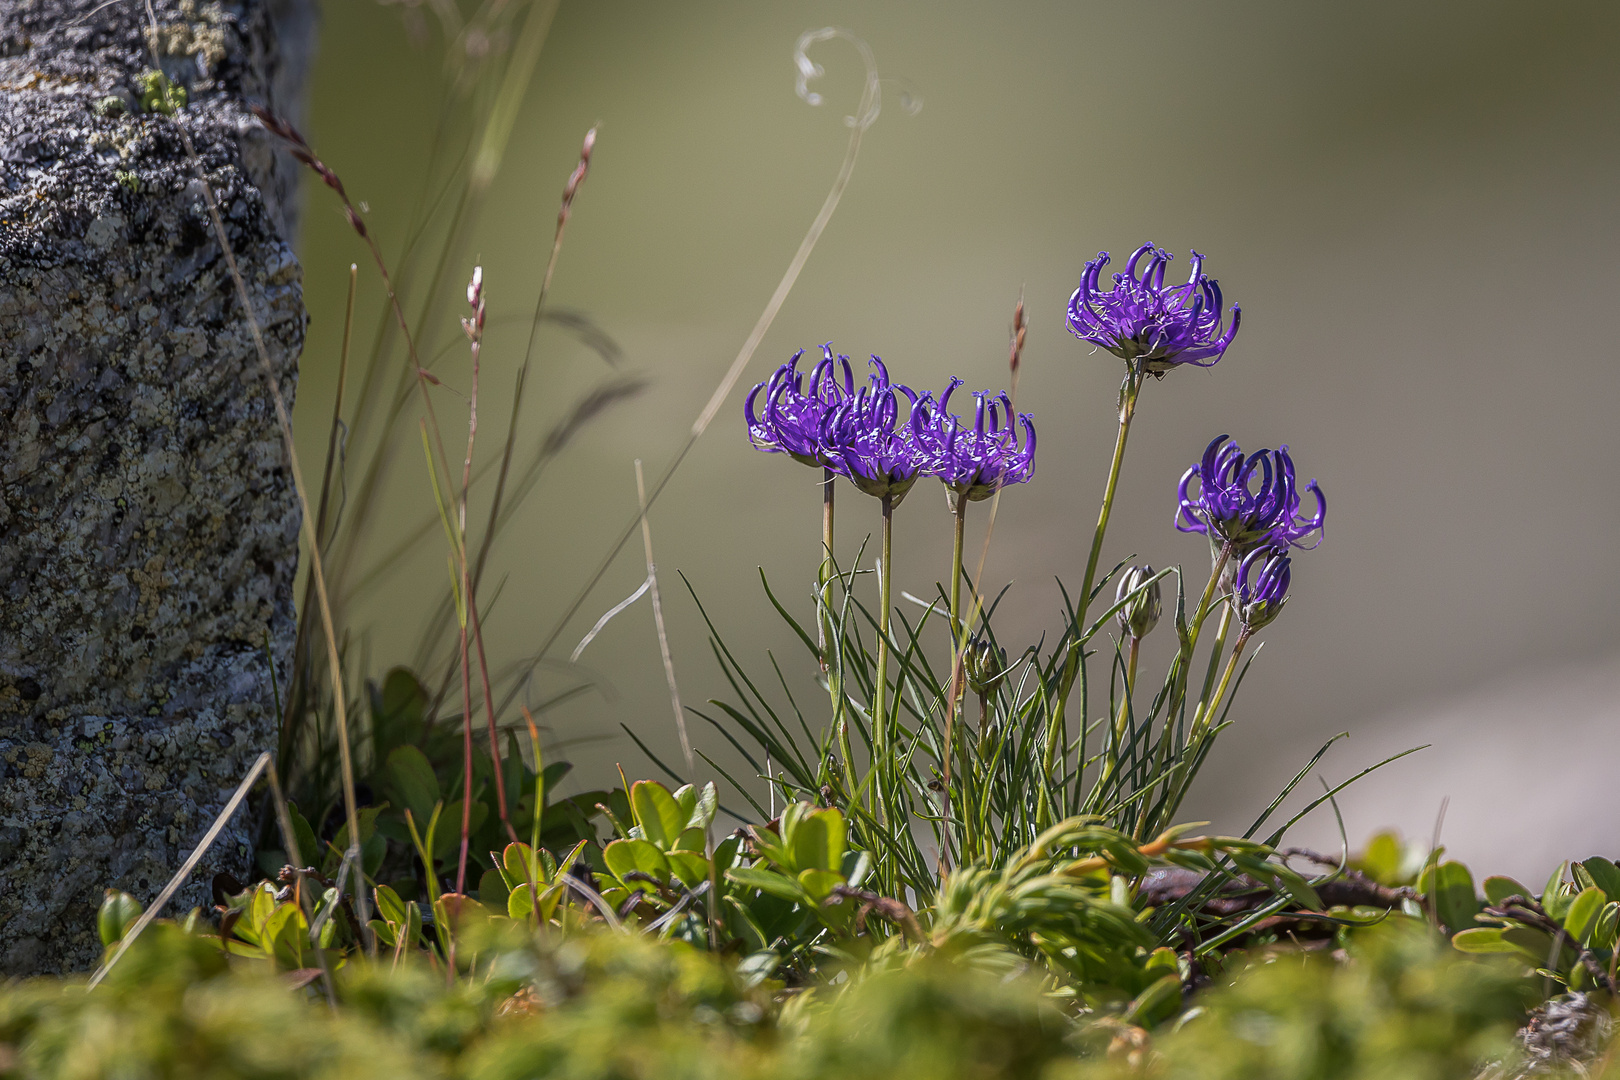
x,y
978,461
1261,600
1144,322
791,421
1248,502
864,440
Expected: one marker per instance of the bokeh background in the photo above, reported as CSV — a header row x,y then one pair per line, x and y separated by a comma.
x,y
1415,205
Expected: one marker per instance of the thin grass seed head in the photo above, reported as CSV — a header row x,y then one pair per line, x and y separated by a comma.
x,y
1249,501
865,440
979,461
789,421
1262,587
1138,618
473,325
1146,323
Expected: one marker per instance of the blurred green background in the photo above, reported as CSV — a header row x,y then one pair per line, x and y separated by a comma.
x,y
1413,203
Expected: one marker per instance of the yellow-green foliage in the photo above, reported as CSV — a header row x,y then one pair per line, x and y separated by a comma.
x,y
1406,1007
601,1005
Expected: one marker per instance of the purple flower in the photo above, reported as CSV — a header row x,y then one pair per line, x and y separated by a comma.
x,y
1143,322
974,462
1248,502
1262,601
791,422
864,440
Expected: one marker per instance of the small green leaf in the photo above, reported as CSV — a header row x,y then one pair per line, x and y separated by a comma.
x,y
818,841
309,850
520,902
685,797
1382,859
708,803
1450,888
492,890
691,867
1607,928
366,818
397,709
1555,899
691,840
820,883
389,905
118,912
625,857
1535,944
1604,874
1482,939
1498,889
1158,1002
409,782
657,813
447,837
1581,918
725,855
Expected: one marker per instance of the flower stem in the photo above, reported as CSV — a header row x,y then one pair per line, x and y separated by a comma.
x,y
959,510
1071,667
1127,411
1201,723
826,574
880,714
1215,653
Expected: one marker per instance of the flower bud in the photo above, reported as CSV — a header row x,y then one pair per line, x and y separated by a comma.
x,y
984,665
1262,601
118,913
1141,615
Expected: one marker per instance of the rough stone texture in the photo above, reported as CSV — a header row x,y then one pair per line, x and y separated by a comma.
x,y
148,525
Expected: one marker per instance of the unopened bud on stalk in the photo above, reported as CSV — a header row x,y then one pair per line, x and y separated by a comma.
x,y
1261,596
984,665
1141,615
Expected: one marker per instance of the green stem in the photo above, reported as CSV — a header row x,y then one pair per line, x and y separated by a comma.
x,y
1201,723
1071,668
1127,410
959,509
1200,730
826,573
1215,654
1203,607
880,714
1111,763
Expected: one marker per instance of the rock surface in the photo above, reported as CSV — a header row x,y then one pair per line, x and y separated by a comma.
x,y
148,524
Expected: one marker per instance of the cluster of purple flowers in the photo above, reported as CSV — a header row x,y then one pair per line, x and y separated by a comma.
x,y
860,433
1249,506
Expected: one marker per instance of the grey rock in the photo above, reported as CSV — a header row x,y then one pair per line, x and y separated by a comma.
x,y
148,523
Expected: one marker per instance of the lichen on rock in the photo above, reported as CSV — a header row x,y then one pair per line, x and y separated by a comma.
x,y
148,524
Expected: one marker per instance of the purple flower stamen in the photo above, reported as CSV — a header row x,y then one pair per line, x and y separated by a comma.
x,y
1262,601
1143,322
1248,502
980,461
791,420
